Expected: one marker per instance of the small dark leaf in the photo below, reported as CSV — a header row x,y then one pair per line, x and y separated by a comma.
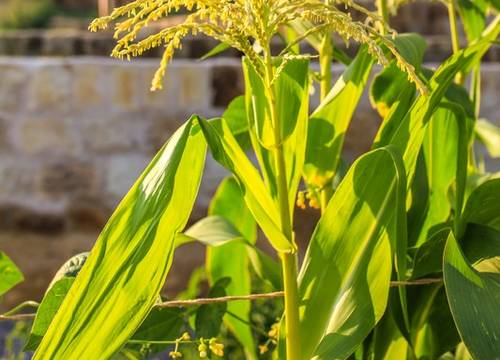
x,y
209,316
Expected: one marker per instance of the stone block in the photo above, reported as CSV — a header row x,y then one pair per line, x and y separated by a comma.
x,y
20,218
69,178
114,133
50,88
46,135
166,100
125,90
122,171
194,86
90,90
13,87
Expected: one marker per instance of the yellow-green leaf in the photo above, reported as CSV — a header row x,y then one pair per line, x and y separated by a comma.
x,y
123,275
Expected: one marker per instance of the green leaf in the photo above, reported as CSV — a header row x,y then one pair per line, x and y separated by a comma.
x,y
228,202
481,246
10,275
428,258
329,122
123,275
216,50
47,310
291,89
391,82
432,328
445,149
489,134
70,268
227,152
236,118
209,316
344,281
473,14
474,299
407,131
483,206
161,324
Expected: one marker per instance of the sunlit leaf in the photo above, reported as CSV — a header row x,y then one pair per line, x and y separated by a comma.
x,y
227,152
489,134
123,275
344,281
329,122
10,275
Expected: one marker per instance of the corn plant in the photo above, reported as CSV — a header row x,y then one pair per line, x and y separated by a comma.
x,y
414,213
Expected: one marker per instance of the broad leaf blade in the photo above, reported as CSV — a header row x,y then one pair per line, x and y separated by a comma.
x,y
489,134
483,206
474,299
344,281
123,275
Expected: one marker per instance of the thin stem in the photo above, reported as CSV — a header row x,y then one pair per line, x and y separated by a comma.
x,y
325,63
201,301
383,12
21,306
288,259
455,39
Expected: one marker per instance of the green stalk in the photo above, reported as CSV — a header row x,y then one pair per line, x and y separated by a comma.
x,y
288,259
325,62
383,12
455,40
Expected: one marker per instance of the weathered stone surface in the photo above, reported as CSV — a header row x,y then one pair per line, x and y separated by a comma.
x,y
13,87
45,135
50,87
122,171
69,177
17,217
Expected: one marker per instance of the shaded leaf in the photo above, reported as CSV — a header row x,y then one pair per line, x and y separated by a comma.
x,y
209,316
47,310
474,299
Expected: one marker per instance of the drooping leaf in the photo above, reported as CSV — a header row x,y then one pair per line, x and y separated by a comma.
x,y
391,82
123,275
344,281
329,122
474,299
231,260
406,130
489,134
10,275
483,206
216,50
227,152
47,310
209,316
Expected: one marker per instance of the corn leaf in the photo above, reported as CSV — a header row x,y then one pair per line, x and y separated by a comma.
x,y
291,88
489,134
329,122
483,206
473,14
123,275
229,154
407,132
474,299
344,281
10,275
228,202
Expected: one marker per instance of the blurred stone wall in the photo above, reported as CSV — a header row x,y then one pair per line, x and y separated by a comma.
x,y
76,132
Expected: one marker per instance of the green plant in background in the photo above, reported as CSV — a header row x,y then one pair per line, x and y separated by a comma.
x,y
415,210
15,14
